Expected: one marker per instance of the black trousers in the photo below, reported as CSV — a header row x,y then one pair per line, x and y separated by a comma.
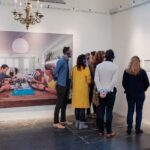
x,y
135,102
80,114
90,100
106,106
62,97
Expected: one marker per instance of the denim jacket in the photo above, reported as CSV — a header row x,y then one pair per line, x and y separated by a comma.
x,y
61,72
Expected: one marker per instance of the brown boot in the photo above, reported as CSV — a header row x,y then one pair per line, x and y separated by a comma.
x,y
110,135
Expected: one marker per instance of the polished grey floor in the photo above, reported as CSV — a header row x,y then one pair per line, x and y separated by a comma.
x,y
39,135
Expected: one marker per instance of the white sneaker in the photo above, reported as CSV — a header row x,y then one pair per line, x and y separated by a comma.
x,y
77,124
82,125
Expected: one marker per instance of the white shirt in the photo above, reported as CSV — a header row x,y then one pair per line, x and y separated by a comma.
x,y
106,75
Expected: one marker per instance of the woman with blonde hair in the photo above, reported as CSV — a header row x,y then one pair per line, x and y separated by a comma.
x,y
135,83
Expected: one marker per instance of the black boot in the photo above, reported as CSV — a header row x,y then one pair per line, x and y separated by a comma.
x,y
129,131
138,131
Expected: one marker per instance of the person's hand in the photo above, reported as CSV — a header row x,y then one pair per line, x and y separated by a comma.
x,y
6,87
52,91
39,86
33,80
6,81
103,93
14,77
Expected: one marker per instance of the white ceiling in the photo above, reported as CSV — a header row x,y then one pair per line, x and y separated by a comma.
x,y
95,5
89,5
122,5
52,1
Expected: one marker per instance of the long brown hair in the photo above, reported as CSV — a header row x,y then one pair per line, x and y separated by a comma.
x,y
134,66
100,57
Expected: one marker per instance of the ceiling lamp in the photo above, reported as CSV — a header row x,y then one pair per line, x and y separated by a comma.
x,y
20,46
28,17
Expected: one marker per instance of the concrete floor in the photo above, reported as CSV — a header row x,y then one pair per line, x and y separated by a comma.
x,y
39,135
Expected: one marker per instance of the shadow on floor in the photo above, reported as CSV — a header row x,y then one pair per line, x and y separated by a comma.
x,y
40,135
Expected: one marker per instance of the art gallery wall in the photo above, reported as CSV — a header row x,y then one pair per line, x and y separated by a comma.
x,y
91,31
131,36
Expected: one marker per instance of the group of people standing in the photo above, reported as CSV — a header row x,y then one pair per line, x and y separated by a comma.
x,y
94,79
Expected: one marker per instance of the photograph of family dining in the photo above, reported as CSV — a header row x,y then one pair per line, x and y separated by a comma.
x,y
27,63
39,80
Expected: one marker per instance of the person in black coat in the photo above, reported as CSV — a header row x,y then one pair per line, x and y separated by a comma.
x,y
135,82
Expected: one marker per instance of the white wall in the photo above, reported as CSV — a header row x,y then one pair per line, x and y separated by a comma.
x,y
131,36
91,31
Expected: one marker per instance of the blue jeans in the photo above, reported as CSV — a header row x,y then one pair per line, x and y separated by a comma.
x,y
106,105
135,102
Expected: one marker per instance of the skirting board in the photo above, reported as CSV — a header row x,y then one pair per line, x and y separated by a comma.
x,y
32,112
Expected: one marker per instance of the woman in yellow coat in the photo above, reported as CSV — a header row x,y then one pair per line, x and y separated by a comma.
x,y
80,92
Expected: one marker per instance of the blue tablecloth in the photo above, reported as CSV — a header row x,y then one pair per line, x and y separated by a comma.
x,y
23,92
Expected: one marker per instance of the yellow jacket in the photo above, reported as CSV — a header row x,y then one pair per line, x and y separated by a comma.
x,y
80,91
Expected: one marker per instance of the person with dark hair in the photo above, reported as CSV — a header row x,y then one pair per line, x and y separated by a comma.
x,y
92,65
38,77
38,80
44,80
99,58
61,75
6,86
4,68
80,93
105,80
16,71
87,55
49,80
135,82
100,55
109,55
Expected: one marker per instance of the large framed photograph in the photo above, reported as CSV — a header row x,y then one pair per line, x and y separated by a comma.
x,y
28,53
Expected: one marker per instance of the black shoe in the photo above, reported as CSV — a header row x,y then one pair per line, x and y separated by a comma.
x,y
139,131
129,131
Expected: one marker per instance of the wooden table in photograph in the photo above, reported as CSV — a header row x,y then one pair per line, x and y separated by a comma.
x,y
40,98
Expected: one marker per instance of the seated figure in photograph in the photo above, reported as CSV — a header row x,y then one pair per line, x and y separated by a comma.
x,y
44,80
38,77
38,80
5,87
135,82
3,72
49,80
14,73
4,78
